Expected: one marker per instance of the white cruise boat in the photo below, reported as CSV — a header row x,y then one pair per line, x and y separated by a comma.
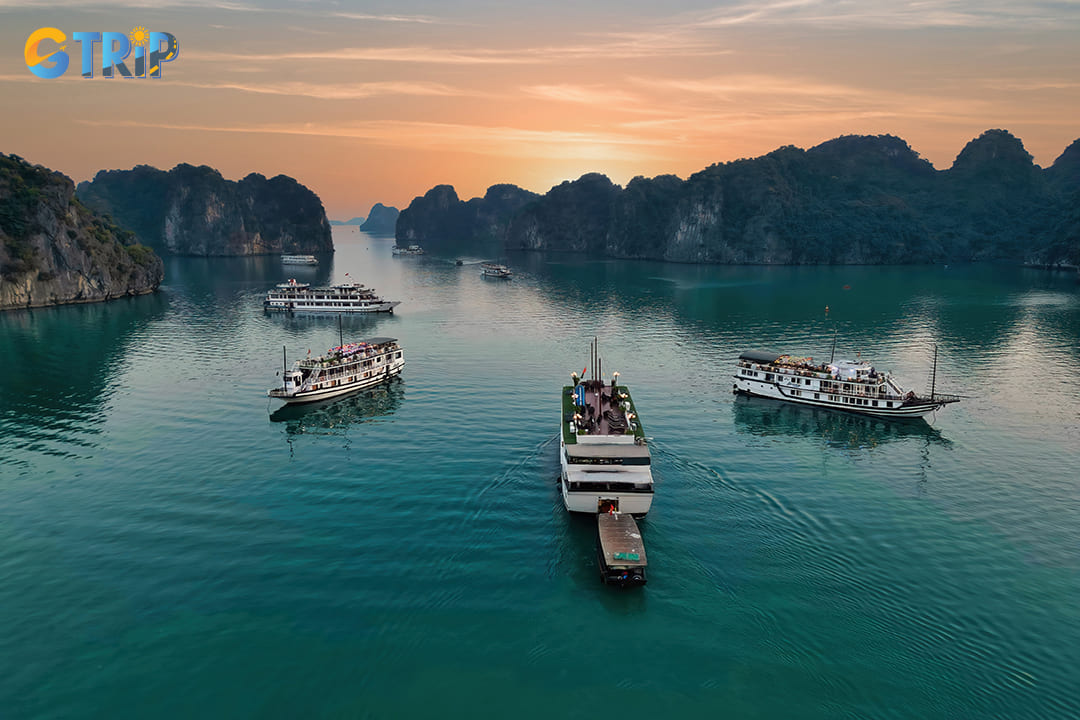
x,y
299,260
410,250
293,296
606,466
494,270
854,386
344,369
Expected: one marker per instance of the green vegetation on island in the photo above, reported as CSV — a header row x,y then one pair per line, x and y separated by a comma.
x,y
54,250
851,200
195,211
439,220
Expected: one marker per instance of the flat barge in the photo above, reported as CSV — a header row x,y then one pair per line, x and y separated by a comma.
x,y
620,551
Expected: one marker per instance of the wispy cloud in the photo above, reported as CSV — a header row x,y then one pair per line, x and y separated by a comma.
x,y
234,5
332,91
420,19
582,94
616,48
480,139
432,55
704,108
891,14
155,4
1024,85
729,86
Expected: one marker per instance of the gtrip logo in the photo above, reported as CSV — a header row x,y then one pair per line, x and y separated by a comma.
x,y
150,49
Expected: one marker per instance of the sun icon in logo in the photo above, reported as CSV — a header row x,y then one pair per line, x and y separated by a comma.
x,y
139,37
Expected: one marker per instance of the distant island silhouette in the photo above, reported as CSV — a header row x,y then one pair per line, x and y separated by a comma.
x,y
856,199
381,220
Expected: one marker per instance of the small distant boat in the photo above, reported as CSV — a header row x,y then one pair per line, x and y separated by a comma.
x,y
854,386
299,260
494,270
459,263
293,296
344,369
410,250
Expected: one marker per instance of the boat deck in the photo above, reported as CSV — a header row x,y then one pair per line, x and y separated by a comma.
x,y
620,550
602,414
620,540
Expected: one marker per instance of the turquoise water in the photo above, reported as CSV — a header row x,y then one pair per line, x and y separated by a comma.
x,y
173,545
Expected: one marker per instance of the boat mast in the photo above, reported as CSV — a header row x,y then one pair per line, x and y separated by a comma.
x,y
284,365
833,355
595,352
933,376
341,337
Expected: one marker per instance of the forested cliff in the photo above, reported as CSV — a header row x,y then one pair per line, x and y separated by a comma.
x,y
439,220
854,199
195,211
54,250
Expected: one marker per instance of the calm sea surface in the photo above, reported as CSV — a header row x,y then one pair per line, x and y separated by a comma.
x,y
173,546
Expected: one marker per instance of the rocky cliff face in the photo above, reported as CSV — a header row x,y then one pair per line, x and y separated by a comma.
x,y
381,220
195,211
54,250
440,220
851,200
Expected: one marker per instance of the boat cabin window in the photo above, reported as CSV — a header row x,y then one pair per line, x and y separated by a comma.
x,y
623,487
608,461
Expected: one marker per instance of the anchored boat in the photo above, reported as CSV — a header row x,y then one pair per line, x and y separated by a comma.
x,y
854,386
494,270
344,369
293,296
410,250
299,260
603,451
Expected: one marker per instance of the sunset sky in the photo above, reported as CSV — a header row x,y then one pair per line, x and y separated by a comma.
x,y
368,102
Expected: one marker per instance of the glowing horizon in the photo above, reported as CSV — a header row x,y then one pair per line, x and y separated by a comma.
x,y
375,104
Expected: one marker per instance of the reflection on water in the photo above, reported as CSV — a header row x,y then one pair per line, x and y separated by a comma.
x,y
766,417
59,366
354,326
335,416
220,275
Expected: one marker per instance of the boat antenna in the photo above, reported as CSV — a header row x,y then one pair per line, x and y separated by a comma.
x,y
833,355
933,376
